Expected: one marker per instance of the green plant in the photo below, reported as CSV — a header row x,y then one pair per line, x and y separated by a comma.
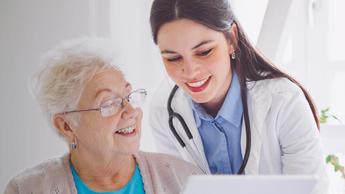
x,y
334,161
325,115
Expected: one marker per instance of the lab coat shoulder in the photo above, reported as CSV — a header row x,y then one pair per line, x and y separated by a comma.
x,y
289,122
285,105
265,97
272,87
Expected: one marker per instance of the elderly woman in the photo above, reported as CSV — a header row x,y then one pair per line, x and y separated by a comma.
x,y
90,103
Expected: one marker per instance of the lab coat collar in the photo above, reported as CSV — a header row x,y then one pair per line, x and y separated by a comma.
x,y
183,107
259,102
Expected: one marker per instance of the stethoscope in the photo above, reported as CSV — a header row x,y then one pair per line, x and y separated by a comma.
x,y
196,154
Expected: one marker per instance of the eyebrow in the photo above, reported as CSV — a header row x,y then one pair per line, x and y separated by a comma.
x,y
202,43
109,90
102,90
128,85
194,47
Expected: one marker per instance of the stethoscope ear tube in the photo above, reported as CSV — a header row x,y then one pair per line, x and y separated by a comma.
x,y
172,114
184,125
173,130
171,117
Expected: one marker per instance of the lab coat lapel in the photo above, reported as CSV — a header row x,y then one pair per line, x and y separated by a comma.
x,y
183,107
258,105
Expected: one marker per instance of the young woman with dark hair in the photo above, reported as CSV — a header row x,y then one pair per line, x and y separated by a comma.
x,y
229,110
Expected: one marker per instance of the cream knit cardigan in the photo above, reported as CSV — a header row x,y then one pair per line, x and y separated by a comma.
x,y
160,173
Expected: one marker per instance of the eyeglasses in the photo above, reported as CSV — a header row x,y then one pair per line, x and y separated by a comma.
x,y
113,105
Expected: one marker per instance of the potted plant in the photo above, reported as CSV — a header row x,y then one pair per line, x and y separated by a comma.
x,y
333,135
333,138
334,161
326,114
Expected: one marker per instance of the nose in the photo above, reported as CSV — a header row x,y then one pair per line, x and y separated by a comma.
x,y
190,68
129,111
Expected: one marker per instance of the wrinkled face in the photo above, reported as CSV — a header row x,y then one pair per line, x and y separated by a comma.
x,y
197,58
116,134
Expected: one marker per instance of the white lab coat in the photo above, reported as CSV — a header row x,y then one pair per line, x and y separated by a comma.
x,y
285,138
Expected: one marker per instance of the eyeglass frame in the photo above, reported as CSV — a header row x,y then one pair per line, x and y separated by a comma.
x,y
100,106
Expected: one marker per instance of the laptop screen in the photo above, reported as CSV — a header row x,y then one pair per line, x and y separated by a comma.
x,y
250,184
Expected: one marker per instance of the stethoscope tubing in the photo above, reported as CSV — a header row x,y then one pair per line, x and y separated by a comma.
x,y
189,150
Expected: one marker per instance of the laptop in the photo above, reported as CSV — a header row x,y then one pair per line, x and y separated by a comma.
x,y
249,184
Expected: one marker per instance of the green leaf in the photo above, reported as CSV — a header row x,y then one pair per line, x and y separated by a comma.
x,y
328,158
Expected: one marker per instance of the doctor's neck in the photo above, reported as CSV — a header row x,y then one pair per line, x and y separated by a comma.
x,y
213,106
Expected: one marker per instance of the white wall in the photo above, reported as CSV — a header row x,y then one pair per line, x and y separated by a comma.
x,y
251,15
141,62
28,28
309,47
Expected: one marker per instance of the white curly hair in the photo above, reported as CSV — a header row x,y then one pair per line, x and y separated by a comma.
x,y
65,71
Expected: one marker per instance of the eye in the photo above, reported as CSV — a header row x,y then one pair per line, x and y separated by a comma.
x,y
137,97
108,110
110,107
205,53
174,59
108,102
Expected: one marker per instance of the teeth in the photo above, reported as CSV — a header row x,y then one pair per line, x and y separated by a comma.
x,y
126,130
197,84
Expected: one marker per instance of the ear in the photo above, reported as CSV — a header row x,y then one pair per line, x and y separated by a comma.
x,y
64,127
233,39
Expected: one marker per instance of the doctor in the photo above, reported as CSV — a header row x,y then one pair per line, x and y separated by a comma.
x,y
231,111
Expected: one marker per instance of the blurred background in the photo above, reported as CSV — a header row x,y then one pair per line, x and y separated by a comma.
x,y
303,37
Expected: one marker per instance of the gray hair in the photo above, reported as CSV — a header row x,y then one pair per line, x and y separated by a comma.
x,y
65,71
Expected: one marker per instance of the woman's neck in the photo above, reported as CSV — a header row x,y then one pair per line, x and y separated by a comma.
x,y
212,108
103,174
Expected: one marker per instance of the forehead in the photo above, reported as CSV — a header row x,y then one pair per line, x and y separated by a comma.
x,y
110,79
185,33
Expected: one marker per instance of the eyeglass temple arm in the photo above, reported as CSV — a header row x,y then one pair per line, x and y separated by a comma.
x,y
84,110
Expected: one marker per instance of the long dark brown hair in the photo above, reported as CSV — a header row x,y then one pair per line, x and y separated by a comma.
x,y
249,64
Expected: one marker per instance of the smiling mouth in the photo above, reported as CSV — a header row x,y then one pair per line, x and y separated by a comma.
x,y
198,86
126,131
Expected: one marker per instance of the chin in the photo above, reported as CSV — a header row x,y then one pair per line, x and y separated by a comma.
x,y
129,151
200,98
132,148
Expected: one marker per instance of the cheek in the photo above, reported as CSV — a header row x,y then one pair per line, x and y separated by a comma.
x,y
87,129
173,71
140,113
219,63
98,124
110,123
140,116
89,121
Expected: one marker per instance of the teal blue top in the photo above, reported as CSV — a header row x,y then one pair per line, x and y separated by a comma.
x,y
134,186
